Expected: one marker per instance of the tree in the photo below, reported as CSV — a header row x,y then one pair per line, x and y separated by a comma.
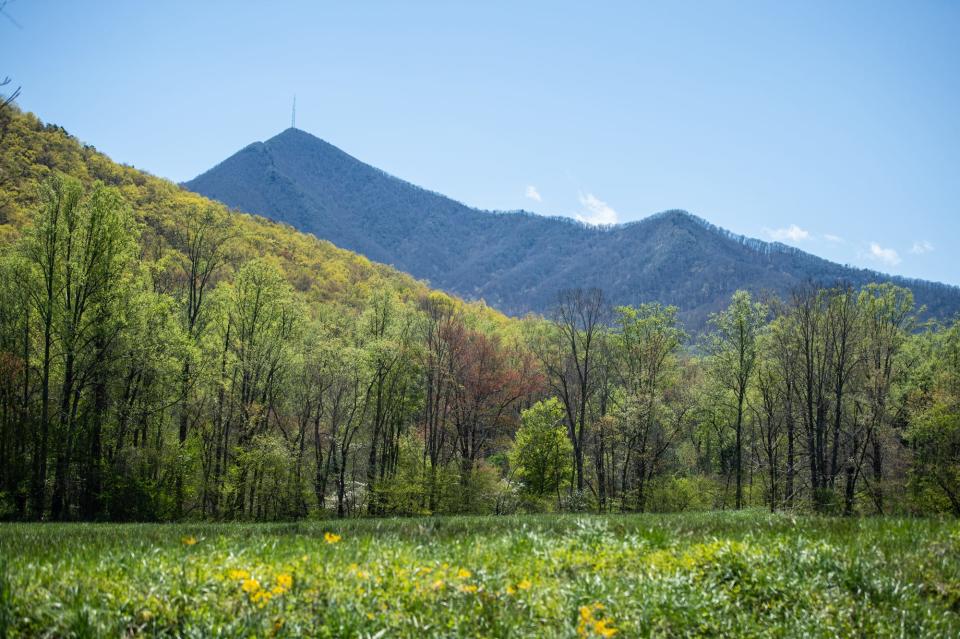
x,y
768,407
441,321
542,452
337,378
262,317
567,350
16,425
390,396
888,317
5,102
202,241
813,352
486,385
645,347
732,346
934,432
781,350
43,247
83,248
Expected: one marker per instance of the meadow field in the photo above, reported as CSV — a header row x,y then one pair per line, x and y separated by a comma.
x,y
719,574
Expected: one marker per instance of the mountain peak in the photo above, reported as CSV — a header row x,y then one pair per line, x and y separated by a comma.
x,y
674,215
293,132
298,137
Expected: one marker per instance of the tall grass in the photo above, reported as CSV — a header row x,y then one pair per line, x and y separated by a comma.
x,y
712,574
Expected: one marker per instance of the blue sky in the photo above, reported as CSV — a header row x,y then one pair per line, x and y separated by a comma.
x,y
830,126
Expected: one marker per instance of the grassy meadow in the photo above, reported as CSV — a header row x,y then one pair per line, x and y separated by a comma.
x,y
720,574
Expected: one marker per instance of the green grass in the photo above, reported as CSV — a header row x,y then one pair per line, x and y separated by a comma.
x,y
720,574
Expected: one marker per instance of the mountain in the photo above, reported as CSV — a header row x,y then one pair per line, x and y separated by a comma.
x,y
517,261
320,273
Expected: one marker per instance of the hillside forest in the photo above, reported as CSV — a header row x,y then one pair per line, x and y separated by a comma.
x,y
165,358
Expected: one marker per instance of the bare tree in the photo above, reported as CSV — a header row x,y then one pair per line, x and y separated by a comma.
x,y
567,355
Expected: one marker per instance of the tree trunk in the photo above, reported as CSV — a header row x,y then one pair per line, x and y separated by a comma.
x,y
739,451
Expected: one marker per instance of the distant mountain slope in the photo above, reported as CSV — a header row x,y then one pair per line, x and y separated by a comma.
x,y
516,261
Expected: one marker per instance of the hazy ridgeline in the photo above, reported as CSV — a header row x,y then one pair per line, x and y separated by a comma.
x,y
164,358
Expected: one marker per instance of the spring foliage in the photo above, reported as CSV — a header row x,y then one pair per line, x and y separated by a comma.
x,y
163,357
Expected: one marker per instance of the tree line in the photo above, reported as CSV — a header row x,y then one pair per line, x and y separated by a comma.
x,y
161,373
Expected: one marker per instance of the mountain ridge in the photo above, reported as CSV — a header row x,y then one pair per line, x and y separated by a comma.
x,y
517,260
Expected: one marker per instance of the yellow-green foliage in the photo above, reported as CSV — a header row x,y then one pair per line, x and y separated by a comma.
x,y
219,333
31,151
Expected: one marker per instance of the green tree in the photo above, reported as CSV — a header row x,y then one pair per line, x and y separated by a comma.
x,y
263,317
202,242
43,246
84,247
645,345
542,452
390,359
934,431
732,346
888,315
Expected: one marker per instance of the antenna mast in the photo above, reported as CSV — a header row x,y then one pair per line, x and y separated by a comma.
x,y
293,115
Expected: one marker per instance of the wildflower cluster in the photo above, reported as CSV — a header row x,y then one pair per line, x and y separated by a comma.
x,y
256,592
592,622
523,584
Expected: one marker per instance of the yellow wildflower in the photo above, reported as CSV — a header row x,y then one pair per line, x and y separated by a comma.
x,y
250,585
510,590
438,584
238,573
602,627
592,623
188,541
524,584
468,588
331,538
285,581
463,573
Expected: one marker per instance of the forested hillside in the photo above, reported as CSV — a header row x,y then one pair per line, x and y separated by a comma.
x,y
518,261
158,352
164,358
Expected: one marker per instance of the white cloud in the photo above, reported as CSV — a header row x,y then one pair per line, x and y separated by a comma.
x,y
921,247
533,193
598,212
833,238
792,233
885,255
